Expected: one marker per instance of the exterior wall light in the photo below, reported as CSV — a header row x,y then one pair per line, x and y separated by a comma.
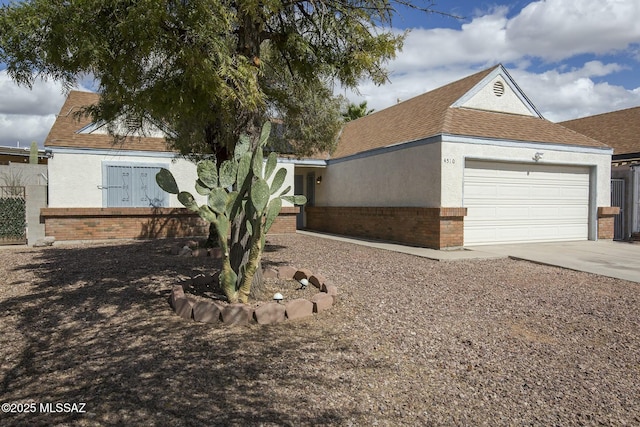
x,y
319,179
537,156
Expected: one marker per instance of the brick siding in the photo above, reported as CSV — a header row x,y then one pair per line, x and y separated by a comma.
x,y
138,223
436,228
606,216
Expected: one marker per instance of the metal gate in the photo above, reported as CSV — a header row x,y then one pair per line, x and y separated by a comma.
x,y
13,216
617,199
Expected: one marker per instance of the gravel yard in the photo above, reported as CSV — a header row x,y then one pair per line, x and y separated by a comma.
x,y
411,342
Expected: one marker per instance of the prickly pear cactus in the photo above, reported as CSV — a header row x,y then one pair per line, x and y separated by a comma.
x,y
238,188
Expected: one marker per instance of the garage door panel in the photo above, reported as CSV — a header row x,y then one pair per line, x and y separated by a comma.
x,y
508,203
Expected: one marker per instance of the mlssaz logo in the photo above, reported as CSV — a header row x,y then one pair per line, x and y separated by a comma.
x,y
63,407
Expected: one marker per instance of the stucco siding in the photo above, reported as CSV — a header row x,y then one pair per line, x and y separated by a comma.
x,y
75,179
508,102
405,177
455,153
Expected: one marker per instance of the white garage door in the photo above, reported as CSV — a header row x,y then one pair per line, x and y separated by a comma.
x,y
512,203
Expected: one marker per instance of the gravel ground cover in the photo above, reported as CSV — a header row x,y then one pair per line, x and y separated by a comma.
x,y
411,342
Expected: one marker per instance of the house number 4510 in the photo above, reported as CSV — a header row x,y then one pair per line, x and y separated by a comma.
x,y
449,161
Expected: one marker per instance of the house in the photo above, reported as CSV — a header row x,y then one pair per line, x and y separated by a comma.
x,y
471,163
99,189
620,130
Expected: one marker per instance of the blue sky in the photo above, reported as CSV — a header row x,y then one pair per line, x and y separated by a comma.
x,y
573,58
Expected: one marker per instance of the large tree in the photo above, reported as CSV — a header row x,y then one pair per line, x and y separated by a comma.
x,y
205,71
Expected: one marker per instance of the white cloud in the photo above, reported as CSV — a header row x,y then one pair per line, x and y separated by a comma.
x,y
23,129
574,93
551,31
27,114
558,29
44,98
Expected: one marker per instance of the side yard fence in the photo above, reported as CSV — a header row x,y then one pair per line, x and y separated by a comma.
x,y
13,215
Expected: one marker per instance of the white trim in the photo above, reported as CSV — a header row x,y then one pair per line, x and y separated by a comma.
x,y
540,146
114,152
304,162
90,128
526,144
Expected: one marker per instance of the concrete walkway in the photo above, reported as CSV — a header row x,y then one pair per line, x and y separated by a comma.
x,y
604,257
620,260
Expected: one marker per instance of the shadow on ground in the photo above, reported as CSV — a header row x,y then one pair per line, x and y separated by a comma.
x,y
95,327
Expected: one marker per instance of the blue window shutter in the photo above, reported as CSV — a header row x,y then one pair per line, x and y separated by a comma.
x,y
119,186
146,191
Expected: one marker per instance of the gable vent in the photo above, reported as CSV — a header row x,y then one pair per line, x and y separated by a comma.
x,y
498,89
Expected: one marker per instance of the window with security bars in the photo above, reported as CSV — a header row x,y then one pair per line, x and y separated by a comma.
x,y
133,186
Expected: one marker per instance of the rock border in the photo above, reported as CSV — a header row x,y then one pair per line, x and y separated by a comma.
x,y
190,308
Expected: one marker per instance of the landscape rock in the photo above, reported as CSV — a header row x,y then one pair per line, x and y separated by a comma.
x,y
207,312
321,301
317,280
269,313
176,293
270,273
286,272
199,253
331,290
302,273
44,242
216,253
185,251
298,309
237,314
184,307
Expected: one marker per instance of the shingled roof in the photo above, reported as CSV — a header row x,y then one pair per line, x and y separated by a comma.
x,y
618,129
433,114
66,128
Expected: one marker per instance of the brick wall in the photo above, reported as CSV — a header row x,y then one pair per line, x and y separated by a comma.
x,y
137,223
436,228
606,219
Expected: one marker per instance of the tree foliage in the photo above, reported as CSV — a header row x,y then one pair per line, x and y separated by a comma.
x,y
356,111
207,71
204,71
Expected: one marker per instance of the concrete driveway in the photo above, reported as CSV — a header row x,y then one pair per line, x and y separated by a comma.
x,y
605,257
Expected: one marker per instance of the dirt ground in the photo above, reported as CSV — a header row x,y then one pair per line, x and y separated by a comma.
x,y
410,342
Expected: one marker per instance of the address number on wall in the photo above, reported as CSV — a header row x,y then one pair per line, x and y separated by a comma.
x,y
449,161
